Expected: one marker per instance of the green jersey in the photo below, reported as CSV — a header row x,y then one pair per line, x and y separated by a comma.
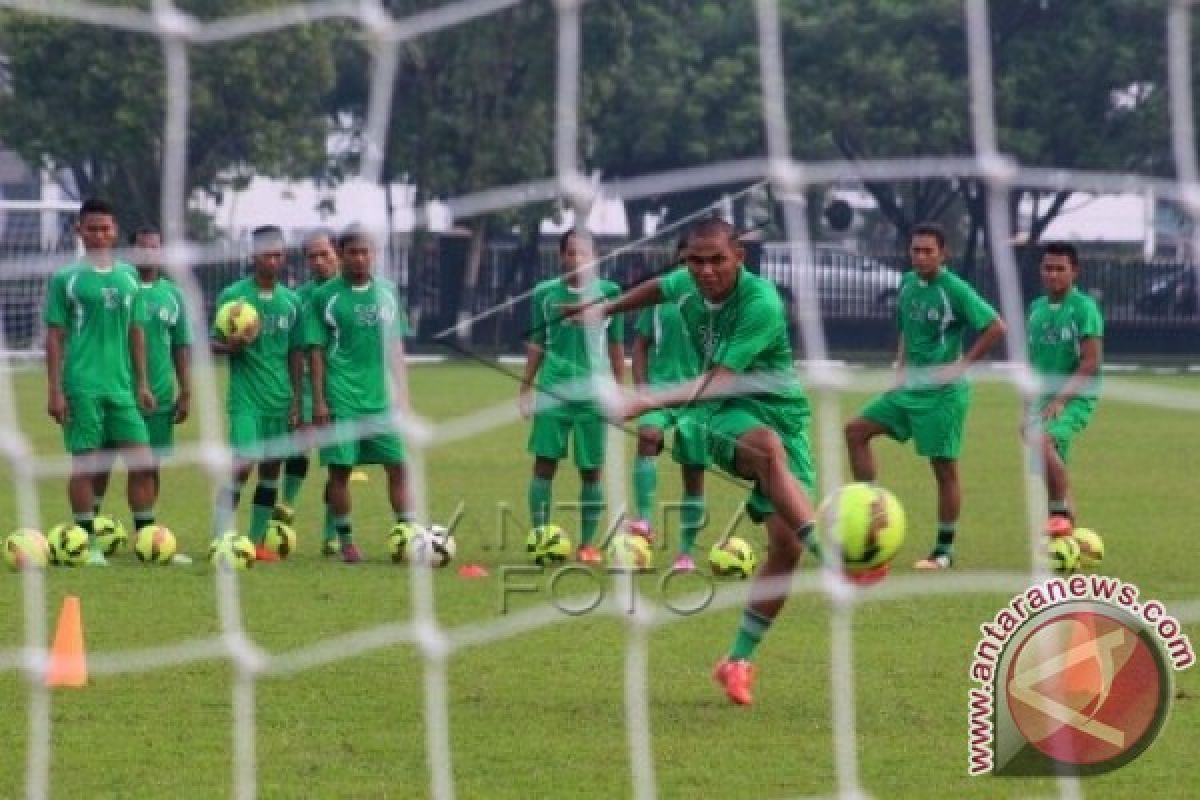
x,y
746,334
356,326
569,351
1056,332
932,316
165,321
95,307
259,381
672,357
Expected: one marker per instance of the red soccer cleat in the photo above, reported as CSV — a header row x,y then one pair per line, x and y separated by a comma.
x,y
737,678
868,577
261,553
1058,526
588,554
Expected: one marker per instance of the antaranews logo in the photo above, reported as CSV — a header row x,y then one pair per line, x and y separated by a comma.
x,y
1075,677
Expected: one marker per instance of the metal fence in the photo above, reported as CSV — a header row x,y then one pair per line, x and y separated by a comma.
x,y
1152,309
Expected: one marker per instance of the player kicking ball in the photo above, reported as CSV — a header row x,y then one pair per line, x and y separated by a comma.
x,y
930,401
561,358
97,387
738,324
1066,336
265,373
320,255
663,355
355,338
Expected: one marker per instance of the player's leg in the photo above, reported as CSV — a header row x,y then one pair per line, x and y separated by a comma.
x,y
388,449
690,451
126,427
105,459
938,421
651,435
1055,439
885,414
247,451
588,444
339,501
262,508
83,438
548,445
780,499
295,470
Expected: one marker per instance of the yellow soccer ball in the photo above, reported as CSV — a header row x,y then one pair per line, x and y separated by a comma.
x,y
865,524
26,548
733,557
238,319
155,545
628,551
548,544
69,545
1091,547
231,551
110,534
1062,554
280,539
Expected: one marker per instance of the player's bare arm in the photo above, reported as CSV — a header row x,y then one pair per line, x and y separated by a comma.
x,y
181,357
398,373
641,361
296,376
989,338
137,353
1090,352
616,357
316,367
644,295
534,354
56,401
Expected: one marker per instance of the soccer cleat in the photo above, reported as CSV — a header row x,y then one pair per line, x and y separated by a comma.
x,y
1058,526
359,476
284,513
640,527
683,563
96,559
350,554
261,553
588,554
736,678
935,561
330,547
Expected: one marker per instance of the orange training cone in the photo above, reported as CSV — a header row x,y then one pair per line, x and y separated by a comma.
x,y
68,663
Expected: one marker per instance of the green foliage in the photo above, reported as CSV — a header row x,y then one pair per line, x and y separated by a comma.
x,y
91,100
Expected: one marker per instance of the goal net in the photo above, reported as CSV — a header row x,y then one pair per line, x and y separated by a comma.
x,y
463,322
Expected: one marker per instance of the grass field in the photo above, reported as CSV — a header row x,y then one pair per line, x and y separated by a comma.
x,y
541,714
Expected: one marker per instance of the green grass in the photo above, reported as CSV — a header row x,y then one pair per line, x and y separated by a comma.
x,y
541,714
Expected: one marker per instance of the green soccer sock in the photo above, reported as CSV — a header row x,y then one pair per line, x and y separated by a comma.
x,y
945,538
263,509
750,632
294,473
540,495
645,485
345,533
807,534
691,520
143,518
591,508
329,530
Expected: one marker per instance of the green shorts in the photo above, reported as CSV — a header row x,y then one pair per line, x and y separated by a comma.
x,y
97,422
160,428
738,417
582,423
933,418
363,440
260,437
689,445
1063,429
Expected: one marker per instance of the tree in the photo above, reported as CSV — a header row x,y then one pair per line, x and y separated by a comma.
x,y
90,101
887,79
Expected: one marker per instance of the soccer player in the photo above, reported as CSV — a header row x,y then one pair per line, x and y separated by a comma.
x,y
356,350
561,358
930,401
1066,336
320,255
96,370
757,415
663,355
265,376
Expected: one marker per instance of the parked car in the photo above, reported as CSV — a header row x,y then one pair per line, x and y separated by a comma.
x,y
1170,294
847,283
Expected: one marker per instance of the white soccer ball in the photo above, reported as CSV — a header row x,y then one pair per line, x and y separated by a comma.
x,y
431,547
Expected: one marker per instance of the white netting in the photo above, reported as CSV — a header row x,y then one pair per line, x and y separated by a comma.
x,y
788,178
